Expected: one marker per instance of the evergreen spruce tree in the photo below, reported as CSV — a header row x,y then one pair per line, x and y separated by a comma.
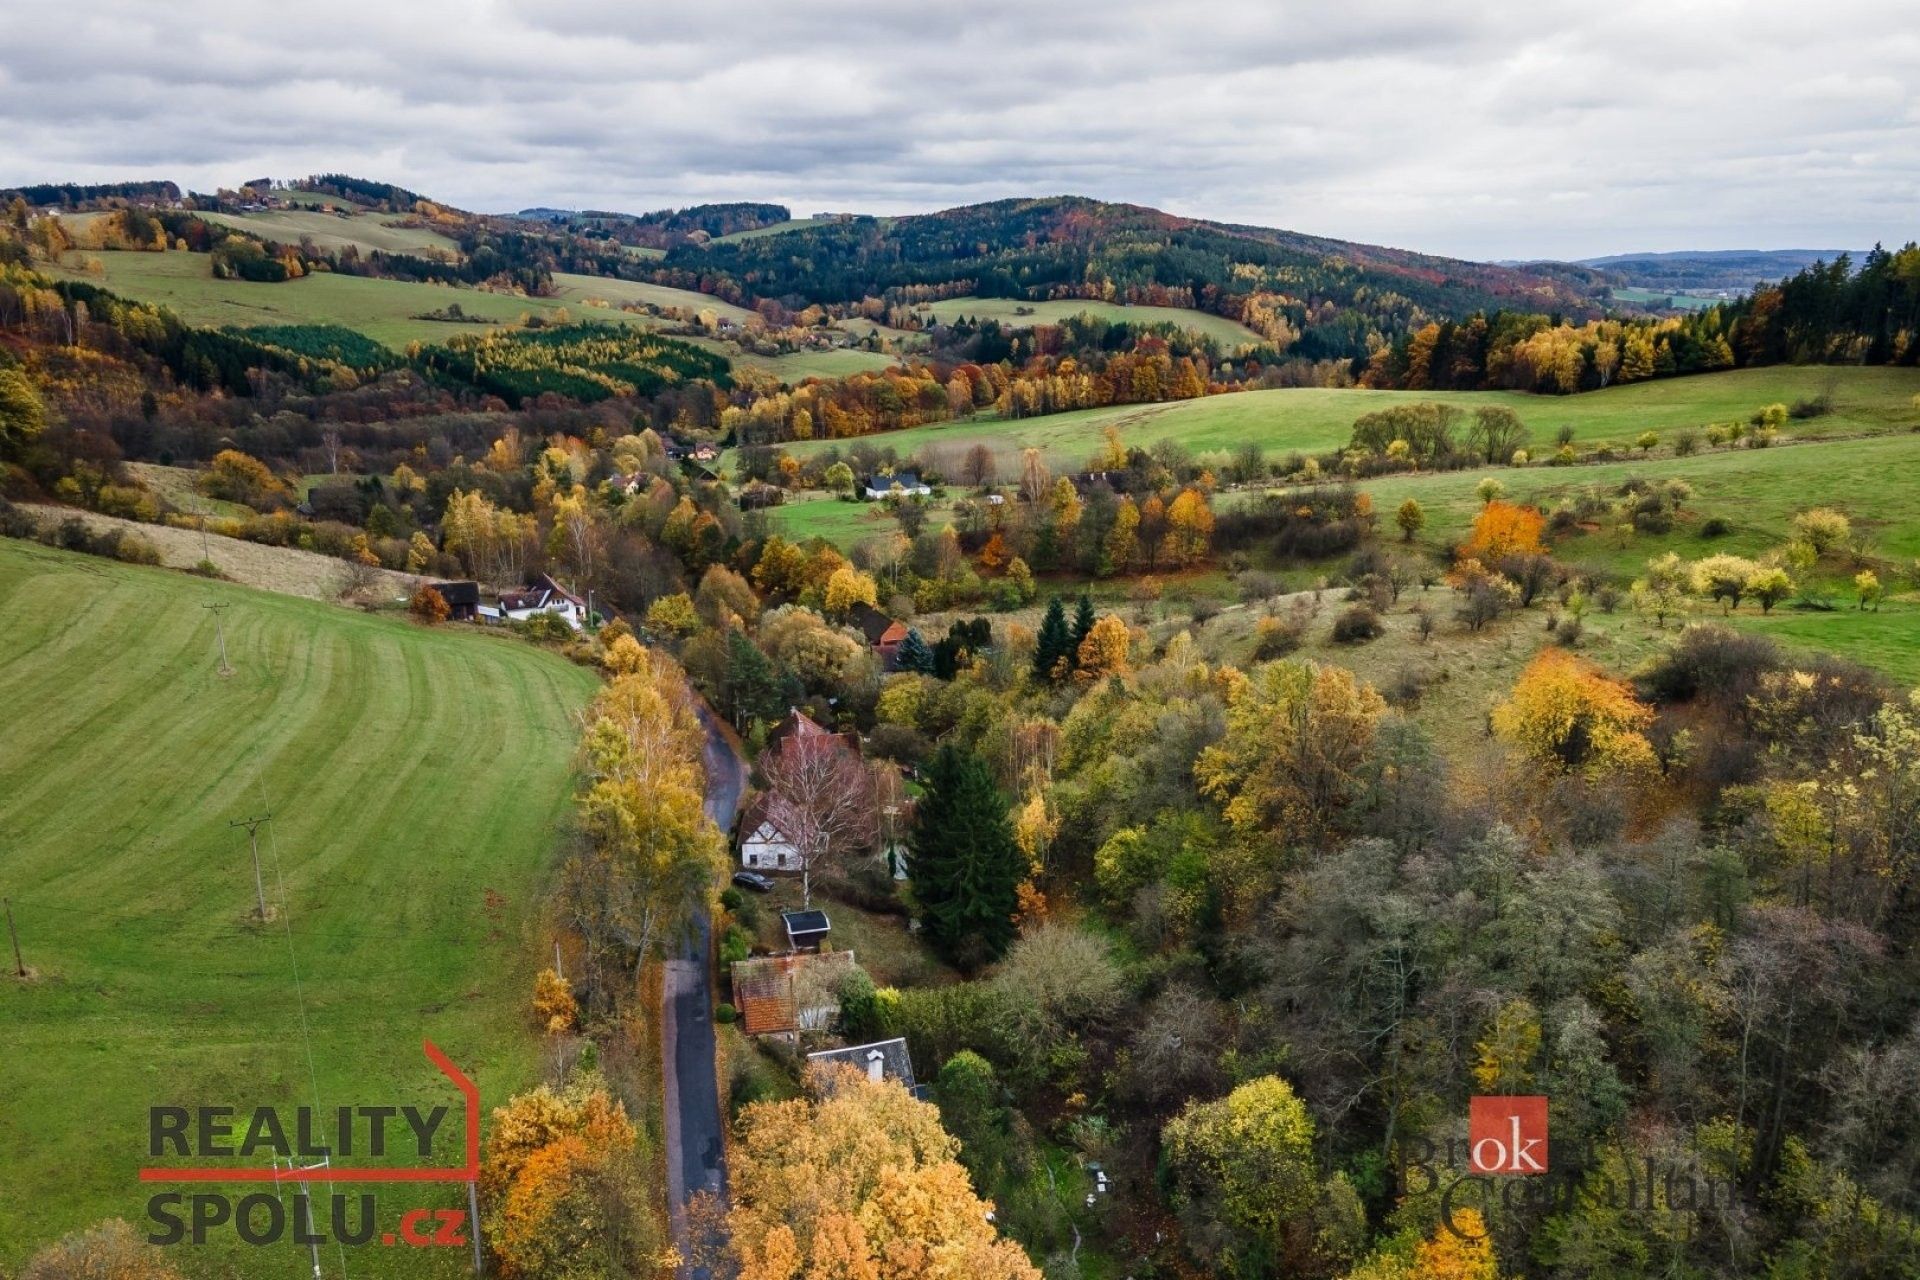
x,y
1083,620
752,687
965,865
1054,642
914,654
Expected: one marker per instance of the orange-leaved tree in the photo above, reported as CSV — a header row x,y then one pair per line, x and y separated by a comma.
x,y
859,1181
1505,529
562,1187
1566,714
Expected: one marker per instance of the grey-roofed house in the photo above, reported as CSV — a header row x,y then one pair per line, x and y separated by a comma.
x,y
881,1060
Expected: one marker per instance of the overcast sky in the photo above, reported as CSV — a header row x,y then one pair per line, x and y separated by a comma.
x,y
1503,130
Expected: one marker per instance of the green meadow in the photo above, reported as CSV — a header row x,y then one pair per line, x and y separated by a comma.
x,y
1316,419
1018,313
388,311
416,779
364,231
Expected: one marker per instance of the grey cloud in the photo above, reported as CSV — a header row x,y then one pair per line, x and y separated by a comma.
x,y
1494,130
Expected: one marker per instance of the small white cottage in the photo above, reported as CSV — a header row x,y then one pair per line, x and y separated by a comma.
x,y
766,837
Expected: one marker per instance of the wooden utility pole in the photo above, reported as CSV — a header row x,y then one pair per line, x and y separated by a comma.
x,y
19,965
253,841
220,629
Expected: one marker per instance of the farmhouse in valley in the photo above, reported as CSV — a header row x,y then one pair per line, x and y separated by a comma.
x,y
901,484
542,595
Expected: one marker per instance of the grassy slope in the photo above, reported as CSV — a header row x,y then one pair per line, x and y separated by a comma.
x,y
798,366
1758,492
1231,334
772,229
382,309
1317,419
365,231
412,774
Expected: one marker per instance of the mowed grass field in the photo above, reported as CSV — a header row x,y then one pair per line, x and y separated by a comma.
x,y
1021,314
1313,419
416,780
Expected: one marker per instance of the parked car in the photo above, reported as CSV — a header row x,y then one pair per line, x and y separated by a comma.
x,y
753,880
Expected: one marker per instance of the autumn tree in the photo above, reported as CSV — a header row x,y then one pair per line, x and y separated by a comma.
x,y
1496,431
1565,714
1662,589
563,1186
825,796
1769,584
1120,544
848,587
555,1011
1411,518
428,605
23,416
1723,577
964,862
233,476
1246,1161
1504,529
1104,651
643,809
1297,738
1189,534
858,1182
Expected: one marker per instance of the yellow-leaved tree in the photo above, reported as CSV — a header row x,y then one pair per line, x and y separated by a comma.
x,y
1297,737
860,1180
1565,714
563,1186
643,807
847,587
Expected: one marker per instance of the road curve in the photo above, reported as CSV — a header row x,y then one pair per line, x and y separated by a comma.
x,y
696,1154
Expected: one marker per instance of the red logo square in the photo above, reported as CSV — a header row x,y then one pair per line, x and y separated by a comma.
x,y
1507,1135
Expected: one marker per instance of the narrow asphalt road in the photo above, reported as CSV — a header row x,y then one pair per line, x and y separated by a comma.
x,y
696,1156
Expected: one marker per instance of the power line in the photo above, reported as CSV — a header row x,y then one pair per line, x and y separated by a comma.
x,y
19,965
253,826
219,626
299,990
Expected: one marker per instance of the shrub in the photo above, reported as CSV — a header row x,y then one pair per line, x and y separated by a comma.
x,y
1406,686
428,605
134,549
1823,529
724,1013
1715,527
1686,442
1357,625
1711,661
1277,637
1652,517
